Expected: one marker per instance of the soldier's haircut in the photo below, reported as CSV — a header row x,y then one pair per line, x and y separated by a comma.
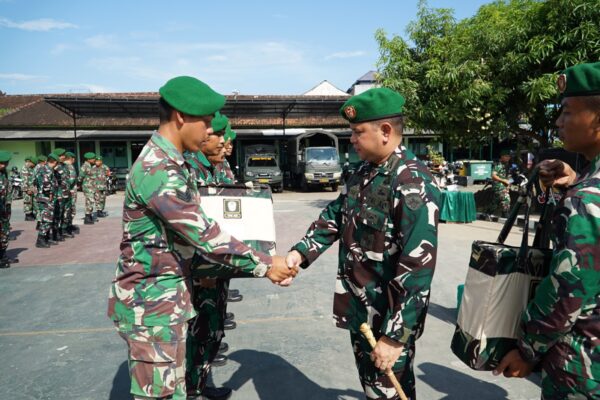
x,y
164,111
396,122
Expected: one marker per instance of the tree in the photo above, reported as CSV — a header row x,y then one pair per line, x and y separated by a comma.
x,y
492,74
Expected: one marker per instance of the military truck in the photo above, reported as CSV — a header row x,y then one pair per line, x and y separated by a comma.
x,y
314,161
261,166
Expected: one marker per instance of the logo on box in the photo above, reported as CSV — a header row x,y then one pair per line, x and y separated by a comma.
x,y
232,208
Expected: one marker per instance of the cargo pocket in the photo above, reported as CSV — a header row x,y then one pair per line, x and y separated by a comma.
x,y
370,233
156,368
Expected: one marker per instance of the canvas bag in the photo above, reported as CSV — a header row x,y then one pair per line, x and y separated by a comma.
x,y
501,280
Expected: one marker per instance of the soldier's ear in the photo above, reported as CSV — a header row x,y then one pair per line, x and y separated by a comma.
x,y
386,131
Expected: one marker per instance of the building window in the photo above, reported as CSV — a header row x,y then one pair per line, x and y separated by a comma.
x,y
114,154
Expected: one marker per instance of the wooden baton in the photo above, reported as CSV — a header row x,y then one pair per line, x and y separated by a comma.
x,y
368,334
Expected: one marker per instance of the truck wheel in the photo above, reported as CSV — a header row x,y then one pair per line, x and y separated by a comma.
x,y
335,187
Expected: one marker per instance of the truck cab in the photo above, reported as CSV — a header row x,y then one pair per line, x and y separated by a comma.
x,y
261,167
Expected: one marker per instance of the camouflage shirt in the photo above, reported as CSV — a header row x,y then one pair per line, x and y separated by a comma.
x,y
72,177
562,323
4,189
502,171
101,173
45,181
27,175
203,169
163,227
386,220
224,172
62,181
87,176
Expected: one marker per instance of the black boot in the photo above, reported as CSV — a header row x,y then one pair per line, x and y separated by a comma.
x,y
74,229
29,217
56,236
223,347
42,243
67,232
102,214
215,393
219,360
95,217
3,260
88,220
37,226
49,240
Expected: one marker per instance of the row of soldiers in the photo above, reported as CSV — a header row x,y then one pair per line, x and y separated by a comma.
x,y
50,195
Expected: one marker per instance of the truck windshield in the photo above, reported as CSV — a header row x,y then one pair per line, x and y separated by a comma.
x,y
262,162
323,155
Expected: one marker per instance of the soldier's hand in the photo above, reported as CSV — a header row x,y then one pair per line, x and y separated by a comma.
x,y
513,366
279,271
556,173
386,353
294,259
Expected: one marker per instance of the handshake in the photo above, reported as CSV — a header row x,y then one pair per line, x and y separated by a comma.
x,y
284,269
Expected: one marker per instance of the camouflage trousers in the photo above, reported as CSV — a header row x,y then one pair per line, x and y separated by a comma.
x,y
558,384
375,383
156,360
4,228
27,203
501,200
58,214
206,331
89,200
100,199
74,208
45,214
67,213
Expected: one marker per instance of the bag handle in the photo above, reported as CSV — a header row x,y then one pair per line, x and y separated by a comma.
x,y
524,198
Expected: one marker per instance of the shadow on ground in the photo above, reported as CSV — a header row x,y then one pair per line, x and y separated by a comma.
x,y
442,313
121,384
275,379
455,384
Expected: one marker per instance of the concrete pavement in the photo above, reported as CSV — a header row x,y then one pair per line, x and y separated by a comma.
x,y
57,342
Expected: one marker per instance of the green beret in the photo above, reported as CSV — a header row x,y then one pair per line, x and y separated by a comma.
x,y
374,104
229,134
33,159
59,152
42,158
580,80
5,156
505,152
29,158
191,96
89,155
219,122
99,157
69,154
52,156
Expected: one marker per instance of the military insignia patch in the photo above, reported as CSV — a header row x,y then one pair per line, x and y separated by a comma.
x,y
232,208
350,112
562,83
413,201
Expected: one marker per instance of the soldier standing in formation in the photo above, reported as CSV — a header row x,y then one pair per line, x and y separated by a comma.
x,y
500,185
561,326
27,175
87,179
149,300
46,186
62,195
102,174
41,161
71,203
5,157
386,220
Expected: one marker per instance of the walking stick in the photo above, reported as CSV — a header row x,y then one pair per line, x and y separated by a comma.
x,y
368,334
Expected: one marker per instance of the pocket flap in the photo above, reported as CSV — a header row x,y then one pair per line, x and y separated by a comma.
x,y
153,352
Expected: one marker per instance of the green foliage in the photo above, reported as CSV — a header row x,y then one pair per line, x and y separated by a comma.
x,y
4,111
434,156
491,74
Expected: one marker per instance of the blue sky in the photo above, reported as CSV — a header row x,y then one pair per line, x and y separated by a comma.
x,y
253,47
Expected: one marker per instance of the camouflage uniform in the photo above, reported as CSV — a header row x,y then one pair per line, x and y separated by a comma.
x,y
46,185
87,178
224,172
386,220
4,211
61,197
27,175
501,193
561,326
163,229
100,196
71,202
36,205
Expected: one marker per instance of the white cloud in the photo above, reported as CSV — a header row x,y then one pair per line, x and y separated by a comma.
x,y
60,49
102,42
19,77
82,88
345,54
43,24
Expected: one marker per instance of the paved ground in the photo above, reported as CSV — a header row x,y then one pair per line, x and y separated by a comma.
x,y
57,343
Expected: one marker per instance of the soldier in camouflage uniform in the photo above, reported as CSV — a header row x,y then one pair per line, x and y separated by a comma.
x,y
209,296
63,194
41,161
46,188
5,157
561,325
27,175
102,173
224,168
500,185
71,204
87,179
386,221
164,227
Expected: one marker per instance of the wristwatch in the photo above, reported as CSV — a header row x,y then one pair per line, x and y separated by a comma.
x,y
261,270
